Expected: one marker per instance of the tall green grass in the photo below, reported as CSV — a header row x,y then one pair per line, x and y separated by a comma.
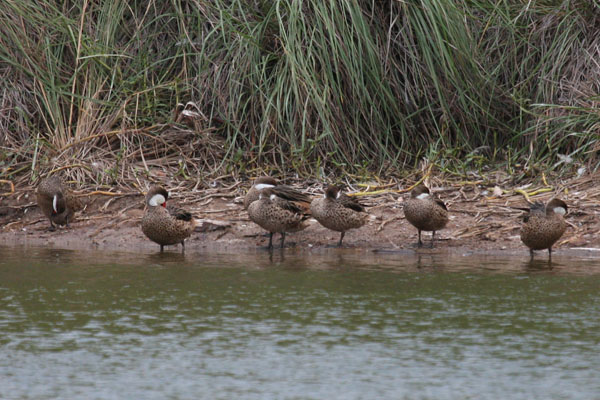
x,y
299,85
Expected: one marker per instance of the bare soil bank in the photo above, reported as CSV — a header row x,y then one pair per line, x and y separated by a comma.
x,y
480,221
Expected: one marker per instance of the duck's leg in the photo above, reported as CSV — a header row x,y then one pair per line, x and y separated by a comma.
x,y
550,253
282,239
432,238
162,248
531,254
419,243
270,246
341,238
183,246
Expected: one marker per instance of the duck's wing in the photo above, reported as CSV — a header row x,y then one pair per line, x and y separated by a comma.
x,y
350,202
291,194
74,203
440,203
536,208
298,208
289,205
179,213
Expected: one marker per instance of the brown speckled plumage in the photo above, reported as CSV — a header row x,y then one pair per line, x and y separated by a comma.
x,y
338,212
543,226
66,203
282,191
425,212
166,225
276,214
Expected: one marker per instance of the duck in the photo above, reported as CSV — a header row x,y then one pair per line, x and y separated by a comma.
x,y
277,214
544,225
425,212
338,212
282,191
56,202
165,225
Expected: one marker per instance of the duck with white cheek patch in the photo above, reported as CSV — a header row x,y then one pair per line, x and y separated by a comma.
x,y
56,202
544,225
425,212
276,214
165,225
338,212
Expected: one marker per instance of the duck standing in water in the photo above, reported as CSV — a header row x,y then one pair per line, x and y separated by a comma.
x,y
56,202
338,212
425,212
282,191
277,214
544,226
165,225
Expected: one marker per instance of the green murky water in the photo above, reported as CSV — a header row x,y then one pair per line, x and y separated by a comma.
x,y
331,325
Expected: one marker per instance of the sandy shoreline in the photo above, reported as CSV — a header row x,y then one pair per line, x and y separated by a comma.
x,y
478,224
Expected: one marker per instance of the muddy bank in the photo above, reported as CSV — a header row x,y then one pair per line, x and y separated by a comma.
x,y
480,222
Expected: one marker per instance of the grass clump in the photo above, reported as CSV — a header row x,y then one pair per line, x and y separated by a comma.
x,y
93,87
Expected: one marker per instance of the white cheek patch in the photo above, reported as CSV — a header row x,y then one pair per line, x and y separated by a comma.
x,y
273,197
262,186
338,195
324,196
423,196
55,203
560,210
157,200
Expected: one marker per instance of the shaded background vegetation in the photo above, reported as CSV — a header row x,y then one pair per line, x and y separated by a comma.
x,y
91,86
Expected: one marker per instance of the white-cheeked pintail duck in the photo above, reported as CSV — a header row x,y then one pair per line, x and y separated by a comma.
x,y
165,225
338,212
277,214
425,212
544,225
56,202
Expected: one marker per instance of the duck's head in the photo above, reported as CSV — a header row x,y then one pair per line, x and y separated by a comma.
x,y
333,192
420,192
157,196
556,206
